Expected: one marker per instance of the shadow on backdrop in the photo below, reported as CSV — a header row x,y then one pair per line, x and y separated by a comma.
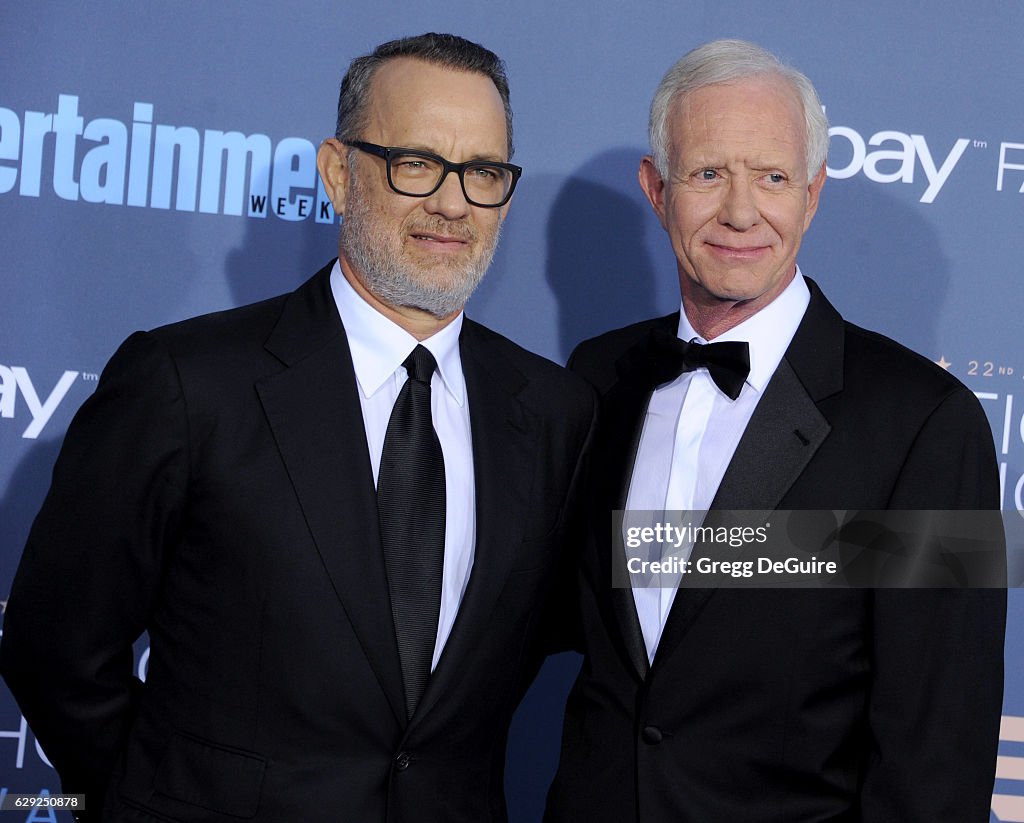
x,y
277,256
879,262
609,261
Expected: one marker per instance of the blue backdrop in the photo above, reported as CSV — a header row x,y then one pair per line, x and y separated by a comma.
x,y
127,201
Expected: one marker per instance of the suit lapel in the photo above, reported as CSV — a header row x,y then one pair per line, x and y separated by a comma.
x,y
784,432
623,410
504,436
313,409
782,436
787,428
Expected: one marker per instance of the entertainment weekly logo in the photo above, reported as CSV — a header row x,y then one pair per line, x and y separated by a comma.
x,y
143,163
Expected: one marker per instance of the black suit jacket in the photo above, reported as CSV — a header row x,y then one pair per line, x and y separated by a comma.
x,y
216,491
778,706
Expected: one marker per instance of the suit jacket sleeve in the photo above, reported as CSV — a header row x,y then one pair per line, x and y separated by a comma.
x,y
936,691
88,576
562,613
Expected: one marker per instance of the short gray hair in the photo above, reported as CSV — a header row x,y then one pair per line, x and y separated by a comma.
x,y
727,61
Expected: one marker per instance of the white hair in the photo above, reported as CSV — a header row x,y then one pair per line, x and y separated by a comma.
x,y
726,61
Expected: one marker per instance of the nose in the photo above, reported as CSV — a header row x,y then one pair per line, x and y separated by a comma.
x,y
449,201
739,207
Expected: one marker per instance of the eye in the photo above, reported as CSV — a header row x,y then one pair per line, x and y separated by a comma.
x,y
488,174
707,174
776,177
413,165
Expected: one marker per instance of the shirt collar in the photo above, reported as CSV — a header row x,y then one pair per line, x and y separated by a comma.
x,y
379,346
769,332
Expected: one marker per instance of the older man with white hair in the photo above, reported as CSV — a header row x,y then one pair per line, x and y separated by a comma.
x,y
761,705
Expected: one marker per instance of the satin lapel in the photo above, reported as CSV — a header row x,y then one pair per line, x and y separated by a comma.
x,y
504,456
314,412
783,435
622,417
781,438
787,428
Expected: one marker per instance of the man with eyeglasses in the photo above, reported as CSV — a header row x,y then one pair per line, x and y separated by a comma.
x,y
337,513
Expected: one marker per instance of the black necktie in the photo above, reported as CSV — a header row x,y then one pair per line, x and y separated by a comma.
x,y
411,504
728,363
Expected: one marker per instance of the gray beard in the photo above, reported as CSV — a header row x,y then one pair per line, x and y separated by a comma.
x,y
383,275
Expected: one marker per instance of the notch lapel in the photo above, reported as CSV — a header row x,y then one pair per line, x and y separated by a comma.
x,y
313,409
504,436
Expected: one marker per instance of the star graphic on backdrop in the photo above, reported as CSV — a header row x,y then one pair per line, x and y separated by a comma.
x,y
943,363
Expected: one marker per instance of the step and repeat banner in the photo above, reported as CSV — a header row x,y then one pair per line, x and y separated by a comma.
x,y
157,162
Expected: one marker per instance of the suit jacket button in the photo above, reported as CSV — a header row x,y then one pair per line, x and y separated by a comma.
x,y
651,735
402,761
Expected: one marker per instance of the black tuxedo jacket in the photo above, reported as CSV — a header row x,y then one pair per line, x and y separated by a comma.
x,y
216,491
792,706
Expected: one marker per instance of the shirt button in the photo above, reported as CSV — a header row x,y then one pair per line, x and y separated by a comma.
x,y
651,735
402,761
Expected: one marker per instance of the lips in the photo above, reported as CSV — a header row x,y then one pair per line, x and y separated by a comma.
x,y
442,239
733,247
738,251
437,238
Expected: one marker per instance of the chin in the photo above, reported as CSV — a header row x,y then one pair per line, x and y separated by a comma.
x,y
732,290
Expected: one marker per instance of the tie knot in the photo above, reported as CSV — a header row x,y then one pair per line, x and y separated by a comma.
x,y
694,354
727,362
420,365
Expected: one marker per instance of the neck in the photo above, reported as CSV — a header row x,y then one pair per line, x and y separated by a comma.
x,y
418,323
711,321
712,316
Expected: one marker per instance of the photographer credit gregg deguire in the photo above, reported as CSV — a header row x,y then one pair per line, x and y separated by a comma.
x,y
672,544
815,548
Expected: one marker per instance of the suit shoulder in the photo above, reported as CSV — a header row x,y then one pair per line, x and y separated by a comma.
x,y
882,360
908,391
209,354
594,359
546,375
617,341
234,327
237,337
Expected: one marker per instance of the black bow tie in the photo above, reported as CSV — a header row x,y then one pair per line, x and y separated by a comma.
x,y
728,363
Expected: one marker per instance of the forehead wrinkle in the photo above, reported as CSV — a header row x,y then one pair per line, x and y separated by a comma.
x,y
739,132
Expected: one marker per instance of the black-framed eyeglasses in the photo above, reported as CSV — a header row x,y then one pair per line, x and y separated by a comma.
x,y
416,173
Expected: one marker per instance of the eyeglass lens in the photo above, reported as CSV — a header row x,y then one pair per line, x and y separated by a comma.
x,y
416,175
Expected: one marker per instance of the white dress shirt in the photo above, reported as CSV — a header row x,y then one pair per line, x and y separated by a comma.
x,y
703,427
379,347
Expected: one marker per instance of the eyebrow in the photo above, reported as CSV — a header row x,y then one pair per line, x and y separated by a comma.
x,y
476,158
756,164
